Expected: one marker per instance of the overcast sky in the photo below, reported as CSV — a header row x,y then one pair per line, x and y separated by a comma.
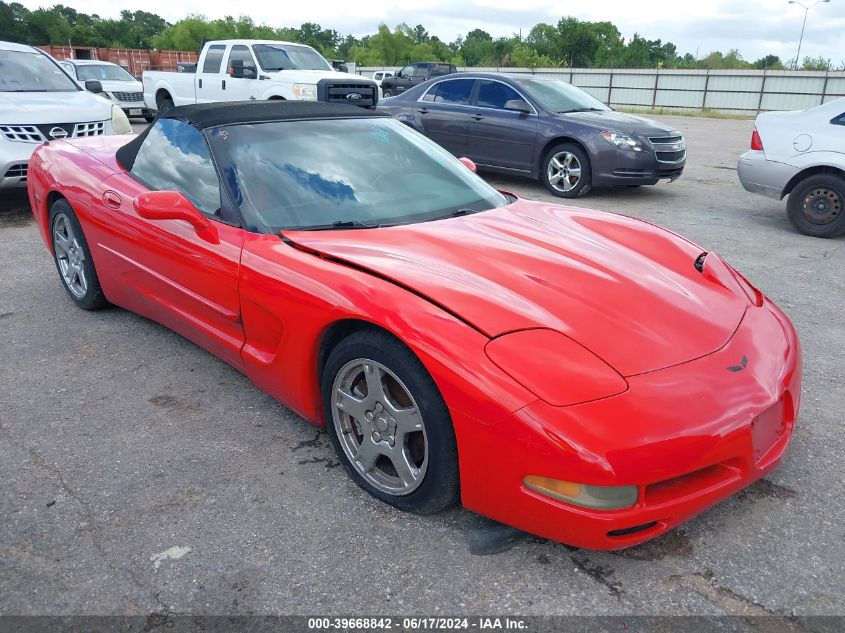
x,y
755,27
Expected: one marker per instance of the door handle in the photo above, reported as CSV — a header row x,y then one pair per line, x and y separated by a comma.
x,y
224,84
477,117
112,199
200,83
423,110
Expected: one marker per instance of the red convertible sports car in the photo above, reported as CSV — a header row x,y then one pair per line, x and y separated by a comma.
x,y
580,375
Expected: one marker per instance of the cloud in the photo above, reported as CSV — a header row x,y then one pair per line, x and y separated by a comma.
x,y
755,27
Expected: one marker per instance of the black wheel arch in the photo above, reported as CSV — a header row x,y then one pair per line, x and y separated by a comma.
x,y
806,173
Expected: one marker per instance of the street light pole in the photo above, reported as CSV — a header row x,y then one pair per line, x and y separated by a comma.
x,y
804,23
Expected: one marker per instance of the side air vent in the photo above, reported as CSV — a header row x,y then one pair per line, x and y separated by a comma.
x,y
699,262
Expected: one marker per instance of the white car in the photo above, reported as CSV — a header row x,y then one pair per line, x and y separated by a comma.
x,y
121,87
381,75
802,155
40,103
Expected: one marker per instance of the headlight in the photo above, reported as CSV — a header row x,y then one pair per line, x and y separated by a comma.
x,y
306,92
598,497
554,367
119,123
622,141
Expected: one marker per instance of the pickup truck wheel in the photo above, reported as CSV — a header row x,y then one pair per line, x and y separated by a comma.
x,y
149,118
816,204
164,103
386,93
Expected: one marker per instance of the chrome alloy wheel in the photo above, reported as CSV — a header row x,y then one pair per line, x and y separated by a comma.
x,y
564,171
70,256
822,205
379,426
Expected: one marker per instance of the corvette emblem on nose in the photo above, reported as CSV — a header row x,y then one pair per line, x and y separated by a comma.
x,y
742,365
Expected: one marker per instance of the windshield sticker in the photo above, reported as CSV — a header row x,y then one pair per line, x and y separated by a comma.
x,y
382,135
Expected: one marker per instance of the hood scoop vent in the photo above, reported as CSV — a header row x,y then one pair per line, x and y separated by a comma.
x,y
699,262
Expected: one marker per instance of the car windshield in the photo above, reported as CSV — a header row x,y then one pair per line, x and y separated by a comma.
x,y
558,96
285,57
22,71
102,72
348,173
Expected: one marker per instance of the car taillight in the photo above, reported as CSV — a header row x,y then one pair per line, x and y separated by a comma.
x,y
756,141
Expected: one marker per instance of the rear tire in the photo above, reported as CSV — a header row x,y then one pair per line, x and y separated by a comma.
x,y
815,206
389,424
164,102
73,258
386,93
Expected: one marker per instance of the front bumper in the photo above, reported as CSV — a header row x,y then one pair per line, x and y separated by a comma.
x,y
614,167
14,161
134,110
765,177
687,436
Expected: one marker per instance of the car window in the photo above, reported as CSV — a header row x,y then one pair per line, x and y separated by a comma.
x,y
241,53
24,71
70,69
493,94
287,175
102,72
407,71
175,157
420,70
440,69
840,120
213,57
456,91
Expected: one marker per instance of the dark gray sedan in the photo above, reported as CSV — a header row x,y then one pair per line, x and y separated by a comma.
x,y
541,128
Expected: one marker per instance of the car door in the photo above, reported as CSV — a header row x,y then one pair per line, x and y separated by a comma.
x,y
499,137
441,113
209,80
241,71
165,269
402,80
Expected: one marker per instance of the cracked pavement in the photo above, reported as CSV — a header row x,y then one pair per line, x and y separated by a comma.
x,y
120,440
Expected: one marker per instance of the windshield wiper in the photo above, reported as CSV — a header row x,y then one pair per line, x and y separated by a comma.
x,y
580,110
340,224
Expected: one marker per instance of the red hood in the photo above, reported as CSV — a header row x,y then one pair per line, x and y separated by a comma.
x,y
623,288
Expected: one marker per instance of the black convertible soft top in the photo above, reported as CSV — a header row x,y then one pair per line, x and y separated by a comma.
x,y
205,115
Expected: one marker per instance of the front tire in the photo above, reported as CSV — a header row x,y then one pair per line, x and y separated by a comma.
x,y
73,258
386,93
566,171
815,206
389,424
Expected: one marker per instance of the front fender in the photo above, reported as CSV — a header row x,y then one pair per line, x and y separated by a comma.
x,y
289,298
276,91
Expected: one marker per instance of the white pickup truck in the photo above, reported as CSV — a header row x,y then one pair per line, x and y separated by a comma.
x,y
257,70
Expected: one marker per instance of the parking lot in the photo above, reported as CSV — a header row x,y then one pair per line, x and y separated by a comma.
x,y
142,475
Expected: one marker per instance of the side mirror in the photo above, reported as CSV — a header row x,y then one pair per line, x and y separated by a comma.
x,y
466,162
517,105
92,85
173,205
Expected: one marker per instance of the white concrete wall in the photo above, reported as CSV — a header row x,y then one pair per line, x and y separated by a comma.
x,y
743,92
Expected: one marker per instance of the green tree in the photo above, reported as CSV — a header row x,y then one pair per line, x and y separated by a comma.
x,y
526,56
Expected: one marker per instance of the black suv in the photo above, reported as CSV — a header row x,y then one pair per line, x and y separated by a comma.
x,y
413,75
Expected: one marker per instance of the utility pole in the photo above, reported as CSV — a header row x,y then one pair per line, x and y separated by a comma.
x,y
803,24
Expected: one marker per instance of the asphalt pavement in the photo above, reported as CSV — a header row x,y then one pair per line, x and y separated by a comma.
x,y
141,475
